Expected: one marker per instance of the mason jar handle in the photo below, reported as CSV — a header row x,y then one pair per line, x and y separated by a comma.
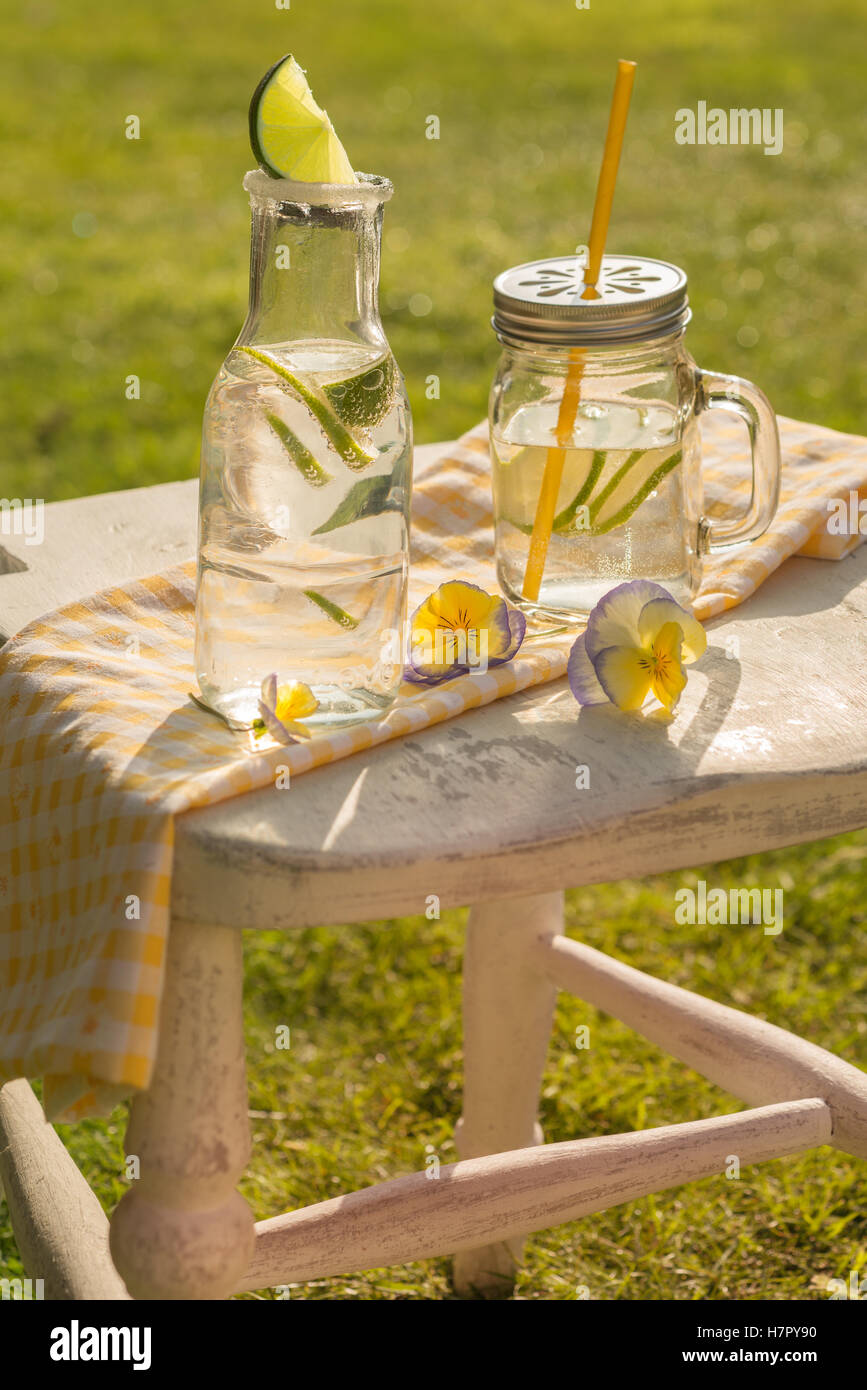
x,y
716,391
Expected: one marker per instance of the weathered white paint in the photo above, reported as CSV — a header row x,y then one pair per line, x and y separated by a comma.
x,y
508,1009
769,748
484,1201
92,543
183,1231
60,1228
754,1060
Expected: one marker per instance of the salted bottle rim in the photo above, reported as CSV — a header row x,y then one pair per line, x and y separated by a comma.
x,y
371,191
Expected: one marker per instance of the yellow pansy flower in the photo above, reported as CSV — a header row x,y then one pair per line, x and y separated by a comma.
x,y
461,628
281,707
638,640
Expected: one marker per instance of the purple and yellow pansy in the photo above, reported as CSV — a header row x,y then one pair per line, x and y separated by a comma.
x,y
281,708
637,641
460,628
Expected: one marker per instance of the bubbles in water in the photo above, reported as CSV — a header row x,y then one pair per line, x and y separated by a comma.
x,y
301,563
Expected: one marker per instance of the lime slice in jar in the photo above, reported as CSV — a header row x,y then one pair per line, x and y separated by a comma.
x,y
519,481
628,486
291,136
608,485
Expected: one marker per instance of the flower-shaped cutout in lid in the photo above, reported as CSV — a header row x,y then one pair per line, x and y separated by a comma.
x,y
635,298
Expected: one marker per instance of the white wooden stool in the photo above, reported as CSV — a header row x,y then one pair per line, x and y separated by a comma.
x,y
753,761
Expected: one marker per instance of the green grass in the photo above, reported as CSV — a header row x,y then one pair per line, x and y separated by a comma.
x,y
373,1077
121,257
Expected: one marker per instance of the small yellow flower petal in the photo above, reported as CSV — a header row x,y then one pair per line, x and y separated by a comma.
x,y
664,610
463,605
669,678
295,701
459,624
424,621
625,675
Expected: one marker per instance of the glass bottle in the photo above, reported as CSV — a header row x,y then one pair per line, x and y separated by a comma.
x,y
594,410
306,467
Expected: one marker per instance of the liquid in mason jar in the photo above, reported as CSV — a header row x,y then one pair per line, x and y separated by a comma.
x,y
622,509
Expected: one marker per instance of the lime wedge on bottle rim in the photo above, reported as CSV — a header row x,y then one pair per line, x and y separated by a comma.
x,y
292,137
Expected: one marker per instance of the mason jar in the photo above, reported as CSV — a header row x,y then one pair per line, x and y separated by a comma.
x,y
596,458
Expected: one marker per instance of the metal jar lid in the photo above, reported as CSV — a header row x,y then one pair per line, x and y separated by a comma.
x,y
637,298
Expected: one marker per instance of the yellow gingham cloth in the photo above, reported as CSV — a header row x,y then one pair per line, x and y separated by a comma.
x,y
102,749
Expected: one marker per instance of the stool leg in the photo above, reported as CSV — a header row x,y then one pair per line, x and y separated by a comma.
x,y
182,1231
508,1011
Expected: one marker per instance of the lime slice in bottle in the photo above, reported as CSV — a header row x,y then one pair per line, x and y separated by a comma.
x,y
292,137
362,401
301,456
331,610
354,455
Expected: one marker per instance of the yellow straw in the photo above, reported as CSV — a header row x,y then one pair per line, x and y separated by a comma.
x,y
549,491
